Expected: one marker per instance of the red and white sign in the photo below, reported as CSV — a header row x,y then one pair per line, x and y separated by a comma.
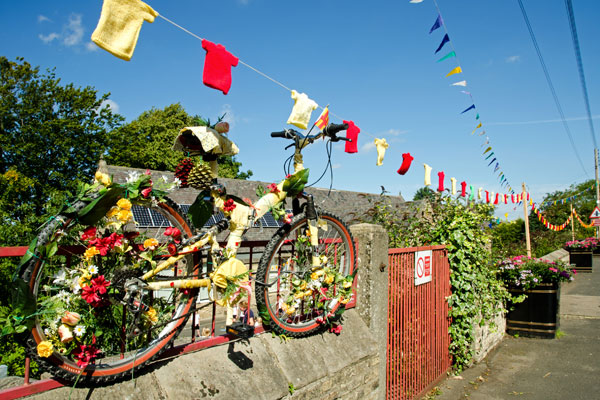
x,y
423,267
595,213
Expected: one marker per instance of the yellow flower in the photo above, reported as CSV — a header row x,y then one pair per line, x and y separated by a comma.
x,y
113,212
124,215
303,285
344,300
329,279
308,293
290,310
124,204
45,348
151,314
299,295
150,243
314,276
84,278
91,252
347,284
102,178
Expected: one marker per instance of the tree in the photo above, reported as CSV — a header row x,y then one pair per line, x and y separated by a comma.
x,y
51,136
423,193
146,142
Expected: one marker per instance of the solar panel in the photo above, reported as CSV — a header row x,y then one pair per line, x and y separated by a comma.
x,y
149,218
141,215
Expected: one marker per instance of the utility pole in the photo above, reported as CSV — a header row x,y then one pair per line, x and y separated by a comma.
x,y
524,198
597,188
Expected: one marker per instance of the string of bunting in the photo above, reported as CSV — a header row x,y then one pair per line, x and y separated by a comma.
x,y
489,155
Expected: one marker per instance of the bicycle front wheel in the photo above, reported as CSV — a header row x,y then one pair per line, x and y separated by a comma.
x,y
85,327
295,297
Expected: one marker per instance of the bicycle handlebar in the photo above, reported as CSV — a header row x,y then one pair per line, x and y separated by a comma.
x,y
330,131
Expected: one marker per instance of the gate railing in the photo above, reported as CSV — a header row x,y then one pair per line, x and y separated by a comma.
x,y
418,322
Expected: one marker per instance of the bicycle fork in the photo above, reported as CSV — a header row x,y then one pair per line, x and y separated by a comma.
x,y
313,227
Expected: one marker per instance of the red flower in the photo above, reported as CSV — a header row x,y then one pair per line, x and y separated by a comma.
x,y
131,235
146,192
89,295
229,205
172,249
89,233
273,188
99,284
86,354
337,329
175,233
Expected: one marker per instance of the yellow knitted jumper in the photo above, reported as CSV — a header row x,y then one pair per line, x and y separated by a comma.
x,y
119,26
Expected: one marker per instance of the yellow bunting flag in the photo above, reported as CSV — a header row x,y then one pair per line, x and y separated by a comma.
x,y
323,119
477,127
456,70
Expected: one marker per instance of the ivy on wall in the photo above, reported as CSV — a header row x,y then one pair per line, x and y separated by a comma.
x,y
477,295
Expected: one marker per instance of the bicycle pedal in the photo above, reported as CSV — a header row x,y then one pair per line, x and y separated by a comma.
x,y
240,330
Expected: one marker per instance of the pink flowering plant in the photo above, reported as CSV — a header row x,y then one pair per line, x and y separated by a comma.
x,y
526,273
587,244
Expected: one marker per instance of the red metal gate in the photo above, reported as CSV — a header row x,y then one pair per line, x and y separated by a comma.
x,y
418,338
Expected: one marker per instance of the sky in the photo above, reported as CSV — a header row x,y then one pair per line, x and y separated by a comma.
x,y
372,62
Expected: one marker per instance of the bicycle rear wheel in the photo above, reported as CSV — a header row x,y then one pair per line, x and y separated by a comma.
x,y
83,329
294,297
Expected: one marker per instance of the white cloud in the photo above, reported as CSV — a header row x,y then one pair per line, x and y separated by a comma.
x,y
48,38
370,145
513,59
114,107
395,132
73,31
91,46
42,18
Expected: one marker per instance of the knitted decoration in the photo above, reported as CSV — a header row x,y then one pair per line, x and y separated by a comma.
x,y
406,160
303,107
472,195
487,196
120,24
217,66
497,195
453,191
463,190
441,181
182,171
427,175
381,145
352,134
200,177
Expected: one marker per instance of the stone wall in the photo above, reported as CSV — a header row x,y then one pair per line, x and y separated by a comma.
x,y
350,365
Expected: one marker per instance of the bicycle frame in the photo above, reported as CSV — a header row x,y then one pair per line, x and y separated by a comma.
x,y
239,220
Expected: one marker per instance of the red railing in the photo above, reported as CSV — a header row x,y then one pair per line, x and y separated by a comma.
x,y
249,252
418,322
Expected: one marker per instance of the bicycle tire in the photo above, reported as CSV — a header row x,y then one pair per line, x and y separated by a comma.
x,y
275,256
111,367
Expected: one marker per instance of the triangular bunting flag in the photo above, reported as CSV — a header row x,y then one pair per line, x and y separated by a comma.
x,y
445,40
456,70
438,22
472,107
461,83
447,56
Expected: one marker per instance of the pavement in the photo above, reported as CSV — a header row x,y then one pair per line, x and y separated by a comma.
x,y
567,367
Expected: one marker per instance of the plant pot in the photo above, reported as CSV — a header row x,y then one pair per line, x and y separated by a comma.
x,y
596,251
583,260
537,316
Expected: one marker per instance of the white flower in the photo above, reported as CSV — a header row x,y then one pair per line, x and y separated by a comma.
x,y
177,182
75,287
46,331
93,269
60,276
132,177
164,178
64,296
79,330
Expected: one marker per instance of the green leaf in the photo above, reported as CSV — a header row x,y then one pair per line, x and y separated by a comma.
x,y
27,256
51,249
200,211
98,208
295,183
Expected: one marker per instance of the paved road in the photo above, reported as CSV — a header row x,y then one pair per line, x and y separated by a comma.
x,y
536,369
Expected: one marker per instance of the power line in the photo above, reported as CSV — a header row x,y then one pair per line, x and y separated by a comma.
x,y
550,85
573,27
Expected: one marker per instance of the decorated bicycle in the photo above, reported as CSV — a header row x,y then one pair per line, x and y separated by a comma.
x,y
101,296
